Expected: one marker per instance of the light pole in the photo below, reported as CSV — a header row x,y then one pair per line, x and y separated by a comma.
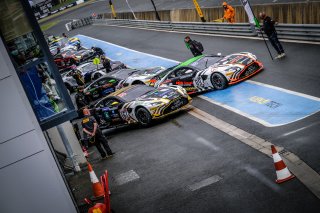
x,y
131,10
155,10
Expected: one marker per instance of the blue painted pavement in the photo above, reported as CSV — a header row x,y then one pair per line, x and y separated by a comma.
x,y
265,104
269,106
130,57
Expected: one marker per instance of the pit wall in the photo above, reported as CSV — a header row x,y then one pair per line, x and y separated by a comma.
x,y
293,13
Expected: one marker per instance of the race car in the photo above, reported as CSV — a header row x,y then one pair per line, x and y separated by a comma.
x,y
64,63
213,72
61,42
139,104
194,61
107,84
89,66
143,76
83,55
72,80
85,73
78,55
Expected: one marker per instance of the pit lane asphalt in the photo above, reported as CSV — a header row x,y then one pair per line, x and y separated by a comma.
x,y
168,157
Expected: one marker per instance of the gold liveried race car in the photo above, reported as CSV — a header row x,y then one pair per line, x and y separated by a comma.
x,y
139,104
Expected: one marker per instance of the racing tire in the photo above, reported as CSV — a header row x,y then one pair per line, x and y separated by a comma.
x,y
219,81
69,88
137,83
73,62
96,76
143,116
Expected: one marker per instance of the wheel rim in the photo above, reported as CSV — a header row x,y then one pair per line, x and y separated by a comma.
x,y
217,81
143,117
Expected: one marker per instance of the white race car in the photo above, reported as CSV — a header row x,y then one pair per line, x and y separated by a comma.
x,y
143,76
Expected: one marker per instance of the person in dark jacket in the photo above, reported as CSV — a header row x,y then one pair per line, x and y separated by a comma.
x,y
192,46
98,51
92,132
270,31
81,100
106,63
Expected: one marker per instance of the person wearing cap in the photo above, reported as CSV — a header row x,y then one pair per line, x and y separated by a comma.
x,y
106,63
270,31
92,132
81,100
229,12
192,46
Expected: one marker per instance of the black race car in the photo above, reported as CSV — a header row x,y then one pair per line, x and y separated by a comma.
x,y
107,84
139,104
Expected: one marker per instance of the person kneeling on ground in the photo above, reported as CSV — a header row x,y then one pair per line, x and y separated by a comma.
x,y
195,47
270,31
92,131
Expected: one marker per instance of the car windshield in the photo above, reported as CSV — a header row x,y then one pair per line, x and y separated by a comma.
x,y
80,52
67,53
151,71
164,92
205,62
122,74
89,67
164,73
135,92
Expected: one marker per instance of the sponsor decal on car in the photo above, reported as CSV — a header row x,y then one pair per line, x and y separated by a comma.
x,y
107,91
122,94
188,89
184,82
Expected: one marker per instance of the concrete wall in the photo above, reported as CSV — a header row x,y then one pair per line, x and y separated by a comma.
x,y
293,13
29,177
72,139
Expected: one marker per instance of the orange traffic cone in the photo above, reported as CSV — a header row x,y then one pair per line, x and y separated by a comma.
x,y
283,173
96,185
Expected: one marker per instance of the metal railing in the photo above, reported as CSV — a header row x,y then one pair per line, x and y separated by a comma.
x,y
303,32
79,23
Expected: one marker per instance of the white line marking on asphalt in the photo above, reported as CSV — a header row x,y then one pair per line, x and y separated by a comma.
x,y
309,177
262,178
204,183
213,35
126,177
285,90
207,143
238,112
300,129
